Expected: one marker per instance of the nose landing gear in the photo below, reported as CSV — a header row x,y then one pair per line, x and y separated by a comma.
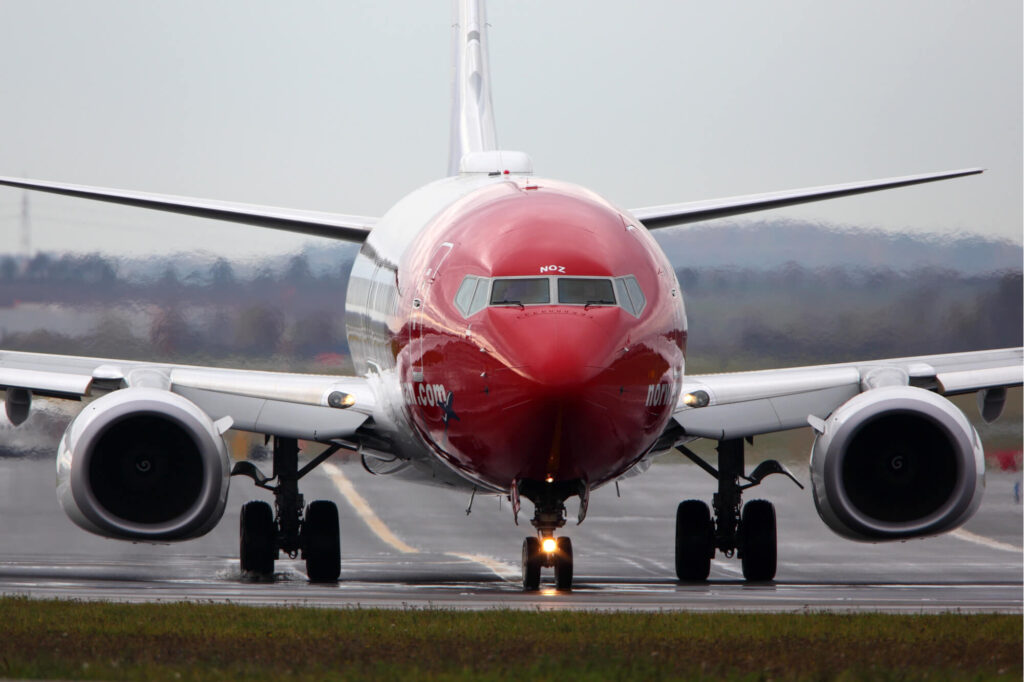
x,y
751,535
545,550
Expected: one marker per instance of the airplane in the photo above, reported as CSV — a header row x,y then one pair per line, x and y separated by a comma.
x,y
520,336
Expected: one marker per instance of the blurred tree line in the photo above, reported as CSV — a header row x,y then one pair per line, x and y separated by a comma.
x,y
744,318
287,317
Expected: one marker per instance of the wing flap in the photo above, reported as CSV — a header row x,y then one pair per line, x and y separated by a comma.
x,y
315,223
690,212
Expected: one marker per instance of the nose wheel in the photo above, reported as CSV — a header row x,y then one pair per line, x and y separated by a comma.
x,y
533,561
547,552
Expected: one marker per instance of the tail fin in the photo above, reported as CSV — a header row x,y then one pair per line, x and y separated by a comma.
x,y
472,110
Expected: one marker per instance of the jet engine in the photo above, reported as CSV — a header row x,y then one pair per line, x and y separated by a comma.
x,y
143,464
896,462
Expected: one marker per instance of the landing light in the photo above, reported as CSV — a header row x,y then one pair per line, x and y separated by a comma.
x,y
548,545
696,399
341,400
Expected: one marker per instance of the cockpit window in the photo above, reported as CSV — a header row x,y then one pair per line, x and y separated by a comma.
x,y
521,291
589,291
476,293
631,297
465,296
479,297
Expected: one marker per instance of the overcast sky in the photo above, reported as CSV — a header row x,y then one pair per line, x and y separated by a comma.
x,y
343,106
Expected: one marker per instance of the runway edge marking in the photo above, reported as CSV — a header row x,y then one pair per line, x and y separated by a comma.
x,y
503,570
984,541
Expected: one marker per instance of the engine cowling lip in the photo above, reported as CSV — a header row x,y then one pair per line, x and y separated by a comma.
x,y
134,402
861,411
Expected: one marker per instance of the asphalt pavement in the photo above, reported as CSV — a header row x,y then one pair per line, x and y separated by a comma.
x,y
405,545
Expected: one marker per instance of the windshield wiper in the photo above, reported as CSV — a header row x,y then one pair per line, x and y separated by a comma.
x,y
518,303
601,302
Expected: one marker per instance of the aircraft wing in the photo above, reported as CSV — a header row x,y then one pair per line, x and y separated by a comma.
x,y
307,406
743,404
318,224
677,214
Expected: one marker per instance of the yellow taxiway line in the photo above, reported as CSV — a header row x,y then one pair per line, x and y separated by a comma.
x,y
503,570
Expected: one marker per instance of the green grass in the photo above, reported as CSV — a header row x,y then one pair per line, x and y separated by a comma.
x,y
76,640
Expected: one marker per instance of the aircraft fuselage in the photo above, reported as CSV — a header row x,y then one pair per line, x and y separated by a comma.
x,y
518,328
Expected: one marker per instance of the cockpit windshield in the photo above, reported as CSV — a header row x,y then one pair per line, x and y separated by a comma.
x,y
521,291
590,291
476,293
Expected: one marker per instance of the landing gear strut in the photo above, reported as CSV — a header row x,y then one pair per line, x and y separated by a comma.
x,y
544,549
750,534
263,534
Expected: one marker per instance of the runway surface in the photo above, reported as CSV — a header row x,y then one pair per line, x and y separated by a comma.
x,y
405,545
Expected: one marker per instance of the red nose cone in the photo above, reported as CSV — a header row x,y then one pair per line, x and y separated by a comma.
x,y
550,389
557,350
568,403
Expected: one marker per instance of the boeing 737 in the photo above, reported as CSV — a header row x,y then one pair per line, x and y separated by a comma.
x,y
518,336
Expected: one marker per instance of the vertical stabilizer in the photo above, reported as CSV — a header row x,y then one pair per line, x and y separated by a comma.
x,y
472,111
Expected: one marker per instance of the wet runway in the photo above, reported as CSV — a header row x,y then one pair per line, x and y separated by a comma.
x,y
411,546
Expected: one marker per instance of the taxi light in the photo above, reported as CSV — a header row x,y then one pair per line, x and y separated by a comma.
x,y
696,399
548,545
341,400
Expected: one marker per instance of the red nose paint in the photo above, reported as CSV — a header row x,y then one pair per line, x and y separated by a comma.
x,y
566,391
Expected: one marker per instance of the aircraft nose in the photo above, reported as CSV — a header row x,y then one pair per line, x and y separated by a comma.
x,y
561,392
560,351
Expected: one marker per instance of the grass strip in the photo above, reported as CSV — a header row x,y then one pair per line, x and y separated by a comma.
x,y
83,640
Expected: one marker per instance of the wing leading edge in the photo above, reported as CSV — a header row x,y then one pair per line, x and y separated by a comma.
x,y
691,212
315,223
744,404
307,406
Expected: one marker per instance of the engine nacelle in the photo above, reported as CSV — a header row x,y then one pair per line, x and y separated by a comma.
x,y
896,462
143,464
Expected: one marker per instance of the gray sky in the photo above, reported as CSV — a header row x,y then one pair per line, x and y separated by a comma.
x,y
343,106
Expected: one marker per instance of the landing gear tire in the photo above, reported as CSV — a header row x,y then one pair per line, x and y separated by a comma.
x,y
321,542
695,541
532,561
563,563
257,539
758,549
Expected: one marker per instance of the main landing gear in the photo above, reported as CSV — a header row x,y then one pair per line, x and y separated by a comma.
x,y
314,533
544,549
751,535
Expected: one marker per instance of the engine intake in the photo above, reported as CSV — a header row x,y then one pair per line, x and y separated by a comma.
x,y
896,462
143,464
